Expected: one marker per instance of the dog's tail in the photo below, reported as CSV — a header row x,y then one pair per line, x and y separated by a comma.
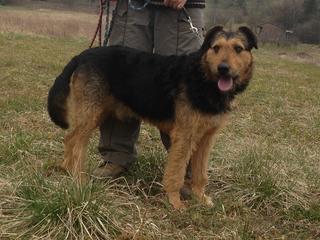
x,y
58,94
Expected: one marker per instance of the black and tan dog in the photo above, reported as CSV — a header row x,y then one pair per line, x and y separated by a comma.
x,y
187,97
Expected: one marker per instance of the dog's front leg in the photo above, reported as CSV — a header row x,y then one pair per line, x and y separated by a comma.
x,y
199,166
175,170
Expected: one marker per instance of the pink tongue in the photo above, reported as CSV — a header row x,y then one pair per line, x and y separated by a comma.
x,y
225,84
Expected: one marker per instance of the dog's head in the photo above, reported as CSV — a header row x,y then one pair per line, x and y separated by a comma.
x,y
227,59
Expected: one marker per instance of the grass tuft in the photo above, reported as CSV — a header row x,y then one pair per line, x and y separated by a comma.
x,y
40,206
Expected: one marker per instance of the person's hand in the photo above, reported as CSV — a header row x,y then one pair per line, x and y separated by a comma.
x,y
176,4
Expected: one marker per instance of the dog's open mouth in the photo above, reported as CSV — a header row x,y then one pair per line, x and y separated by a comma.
x,y
225,83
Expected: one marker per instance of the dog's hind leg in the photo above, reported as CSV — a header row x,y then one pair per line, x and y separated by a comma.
x,y
85,111
199,166
69,142
75,150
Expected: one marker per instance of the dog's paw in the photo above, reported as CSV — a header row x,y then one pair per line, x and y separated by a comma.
x,y
174,200
202,197
82,178
52,169
206,200
179,205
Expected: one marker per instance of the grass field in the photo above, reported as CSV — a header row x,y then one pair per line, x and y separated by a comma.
x,y
47,22
264,169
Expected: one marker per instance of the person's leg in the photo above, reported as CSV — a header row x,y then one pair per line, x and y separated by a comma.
x,y
172,36
117,138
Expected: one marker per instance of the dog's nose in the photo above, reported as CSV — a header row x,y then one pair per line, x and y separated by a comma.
x,y
223,68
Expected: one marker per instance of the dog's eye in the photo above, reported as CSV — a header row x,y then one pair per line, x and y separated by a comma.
x,y
216,48
238,49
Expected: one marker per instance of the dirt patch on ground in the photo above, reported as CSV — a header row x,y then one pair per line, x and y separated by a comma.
x,y
307,58
309,54
303,55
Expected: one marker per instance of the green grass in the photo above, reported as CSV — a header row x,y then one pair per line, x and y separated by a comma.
x,y
264,169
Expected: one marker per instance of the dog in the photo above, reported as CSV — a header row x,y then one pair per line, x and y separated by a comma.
x,y
187,97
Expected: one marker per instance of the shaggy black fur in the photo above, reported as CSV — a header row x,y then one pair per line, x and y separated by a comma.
x,y
147,83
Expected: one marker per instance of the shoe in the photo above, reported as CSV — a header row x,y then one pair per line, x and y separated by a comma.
x,y
108,170
111,170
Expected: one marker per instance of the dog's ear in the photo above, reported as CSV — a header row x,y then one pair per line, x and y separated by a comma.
x,y
251,37
209,37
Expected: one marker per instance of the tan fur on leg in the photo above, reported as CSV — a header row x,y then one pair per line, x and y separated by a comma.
x,y
79,152
69,142
75,150
199,165
175,170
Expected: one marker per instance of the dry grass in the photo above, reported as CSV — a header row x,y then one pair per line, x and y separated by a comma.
x,y
302,53
48,22
264,174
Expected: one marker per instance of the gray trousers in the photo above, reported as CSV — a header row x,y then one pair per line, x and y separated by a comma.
x,y
154,29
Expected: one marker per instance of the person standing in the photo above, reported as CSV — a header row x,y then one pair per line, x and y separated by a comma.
x,y
160,27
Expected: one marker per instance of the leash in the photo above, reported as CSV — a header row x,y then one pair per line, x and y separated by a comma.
x,y
108,24
99,25
193,29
